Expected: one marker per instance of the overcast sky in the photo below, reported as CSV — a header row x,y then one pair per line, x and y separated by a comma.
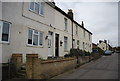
x,y
101,18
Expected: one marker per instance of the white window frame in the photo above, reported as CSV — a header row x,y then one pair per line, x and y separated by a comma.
x,y
33,30
40,8
65,24
1,28
76,29
65,49
89,37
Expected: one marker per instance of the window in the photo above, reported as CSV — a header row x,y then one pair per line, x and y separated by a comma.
x,y
89,37
73,43
76,30
35,37
78,43
84,33
65,22
4,31
37,7
65,43
83,46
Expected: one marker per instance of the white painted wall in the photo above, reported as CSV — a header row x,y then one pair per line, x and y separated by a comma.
x,y
60,29
22,18
21,21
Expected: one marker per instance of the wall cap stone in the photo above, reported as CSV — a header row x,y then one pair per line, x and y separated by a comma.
x,y
16,55
58,60
32,55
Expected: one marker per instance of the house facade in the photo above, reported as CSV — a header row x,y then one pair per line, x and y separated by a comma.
x,y
103,45
39,27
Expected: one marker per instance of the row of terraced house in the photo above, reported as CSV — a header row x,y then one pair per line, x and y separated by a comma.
x,y
40,28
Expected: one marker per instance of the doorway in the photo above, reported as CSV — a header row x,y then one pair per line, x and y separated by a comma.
x,y
56,45
50,44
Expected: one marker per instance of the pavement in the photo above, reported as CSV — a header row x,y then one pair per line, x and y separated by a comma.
x,y
104,68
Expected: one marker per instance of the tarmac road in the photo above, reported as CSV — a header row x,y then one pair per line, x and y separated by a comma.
x,y
104,68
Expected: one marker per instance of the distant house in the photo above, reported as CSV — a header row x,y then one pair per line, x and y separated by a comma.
x,y
42,28
103,45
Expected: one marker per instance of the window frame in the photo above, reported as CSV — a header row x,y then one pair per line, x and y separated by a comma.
x,y
66,24
33,30
40,8
1,31
89,37
76,29
65,44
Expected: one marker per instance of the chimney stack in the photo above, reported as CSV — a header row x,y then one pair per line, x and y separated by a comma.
x,y
105,41
70,13
82,24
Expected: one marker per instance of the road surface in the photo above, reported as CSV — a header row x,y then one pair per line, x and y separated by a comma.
x,y
103,68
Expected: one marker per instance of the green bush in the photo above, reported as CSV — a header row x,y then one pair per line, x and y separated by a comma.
x,y
77,52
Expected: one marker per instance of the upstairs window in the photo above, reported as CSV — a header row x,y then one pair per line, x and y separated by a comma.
x,y
76,30
35,37
4,31
84,33
89,37
37,7
65,23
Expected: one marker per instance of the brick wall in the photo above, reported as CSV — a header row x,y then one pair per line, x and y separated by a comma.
x,y
38,69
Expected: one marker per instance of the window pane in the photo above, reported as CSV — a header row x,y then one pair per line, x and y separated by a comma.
x,y
35,31
32,5
35,40
77,42
65,43
65,20
41,38
42,8
5,31
30,33
37,7
0,30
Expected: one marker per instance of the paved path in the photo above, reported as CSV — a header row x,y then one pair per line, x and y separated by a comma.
x,y
103,68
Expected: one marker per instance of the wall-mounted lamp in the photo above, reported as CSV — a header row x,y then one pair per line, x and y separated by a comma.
x,y
61,43
50,25
46,37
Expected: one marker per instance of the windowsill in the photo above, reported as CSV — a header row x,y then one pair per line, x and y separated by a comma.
x,y
66,30
66,51
7,43
36,13
28,45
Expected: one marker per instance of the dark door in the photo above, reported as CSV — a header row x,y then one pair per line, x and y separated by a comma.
x,y
56,45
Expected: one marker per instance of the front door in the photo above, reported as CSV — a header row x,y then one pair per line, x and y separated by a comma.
x,y
50,44
56,45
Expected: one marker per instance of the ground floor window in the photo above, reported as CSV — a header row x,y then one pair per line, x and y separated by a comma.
x,y
73,43
4,31
35,37
65,43
78,43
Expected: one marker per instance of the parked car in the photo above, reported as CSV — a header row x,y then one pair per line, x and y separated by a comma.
x,y
117,51
107,52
